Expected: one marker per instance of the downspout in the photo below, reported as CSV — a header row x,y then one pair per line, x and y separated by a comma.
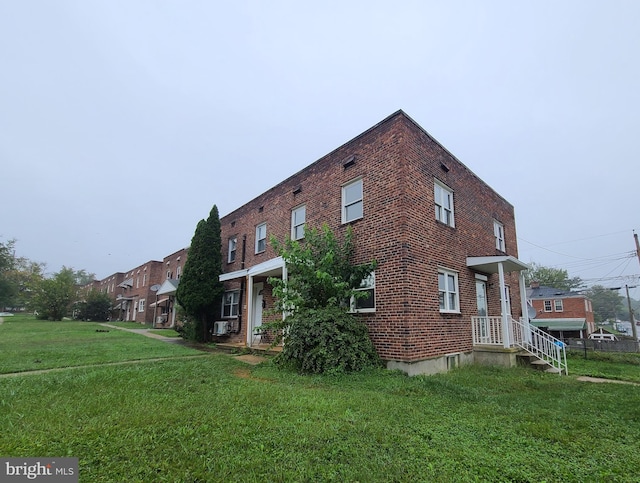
x,y
242,284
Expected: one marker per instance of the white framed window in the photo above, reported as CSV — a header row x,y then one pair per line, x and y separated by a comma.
x,y
137,282
230,303
547,305
298,220
168,274
448,293
141,303
233,243
178,272
352,201
498,232
261,238
144,280
443,197
368,303
557,303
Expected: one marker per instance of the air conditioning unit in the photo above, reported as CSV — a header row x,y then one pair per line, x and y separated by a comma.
x,y
221,327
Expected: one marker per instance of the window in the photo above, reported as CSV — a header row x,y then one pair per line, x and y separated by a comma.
x,y
448,291
230,303
558,305
178,272
144,279
368,303
443,197
547,305
352,201
137,282
298,219
141,305
233,243
168,274
261,238
498,231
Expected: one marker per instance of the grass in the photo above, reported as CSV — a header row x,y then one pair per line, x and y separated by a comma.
x,y
165,332
27,344
216,419
609,365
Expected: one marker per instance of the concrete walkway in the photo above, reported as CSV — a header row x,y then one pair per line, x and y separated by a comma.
x,y
601,380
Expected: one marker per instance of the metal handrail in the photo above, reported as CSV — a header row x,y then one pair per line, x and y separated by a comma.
x,y
542,345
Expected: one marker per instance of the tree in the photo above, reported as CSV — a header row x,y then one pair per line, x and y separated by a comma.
x,y
321,335
94,307
607,304
54,296
18,275
552,277
200,290
8,289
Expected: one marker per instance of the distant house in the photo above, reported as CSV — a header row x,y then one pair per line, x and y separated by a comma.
x,y
165,304
602,334
132,303
562,313
448,288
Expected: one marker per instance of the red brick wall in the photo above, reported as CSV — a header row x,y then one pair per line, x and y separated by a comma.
x,y
398,163
572,308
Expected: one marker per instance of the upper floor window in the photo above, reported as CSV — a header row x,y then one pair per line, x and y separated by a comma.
x,y
178,272
352,208
558,305
230,303
368,303
233,243
448,291
141,305
498,231
144,280
261,238
443,197
547,305
298,220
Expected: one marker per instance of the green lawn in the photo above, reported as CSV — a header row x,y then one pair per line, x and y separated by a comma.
x,y
27,344
214,418
610,365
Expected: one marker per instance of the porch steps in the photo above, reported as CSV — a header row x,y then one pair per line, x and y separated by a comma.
x,y
529,360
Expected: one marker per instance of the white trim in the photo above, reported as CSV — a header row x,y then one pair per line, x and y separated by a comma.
x,y
360,200
440,209
293,221
258,240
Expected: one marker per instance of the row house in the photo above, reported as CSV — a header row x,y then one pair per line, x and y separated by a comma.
x,y
562,313
138,290
448,285
165,304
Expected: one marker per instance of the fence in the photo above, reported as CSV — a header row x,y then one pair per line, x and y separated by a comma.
x,y
603,345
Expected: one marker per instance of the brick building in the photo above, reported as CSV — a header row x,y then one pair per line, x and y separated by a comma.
x,y
132,303
445,243
562,313
165,304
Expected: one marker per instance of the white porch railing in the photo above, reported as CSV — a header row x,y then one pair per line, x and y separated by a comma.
x,y
488,331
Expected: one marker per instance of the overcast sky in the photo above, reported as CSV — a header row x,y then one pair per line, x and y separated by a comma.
x,y
123,122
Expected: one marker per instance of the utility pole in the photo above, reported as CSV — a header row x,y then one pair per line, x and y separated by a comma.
x,y
635,236
634,330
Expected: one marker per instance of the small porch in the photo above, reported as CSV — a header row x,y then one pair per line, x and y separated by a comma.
x,y
164,307
498,339
254,294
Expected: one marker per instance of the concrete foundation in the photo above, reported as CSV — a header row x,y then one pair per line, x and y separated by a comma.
x,y
435,365
495,356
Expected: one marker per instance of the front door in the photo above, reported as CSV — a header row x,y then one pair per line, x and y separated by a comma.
x,y
481,302
257,309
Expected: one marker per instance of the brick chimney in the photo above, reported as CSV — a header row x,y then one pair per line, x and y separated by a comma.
x,y
534,284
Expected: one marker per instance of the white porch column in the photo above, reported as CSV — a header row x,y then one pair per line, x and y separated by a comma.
x,y
506,340
525,308
249,302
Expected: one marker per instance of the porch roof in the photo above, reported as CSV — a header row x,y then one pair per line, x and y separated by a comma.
x,y
159,302
168,287
490,264
269,268
561,324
